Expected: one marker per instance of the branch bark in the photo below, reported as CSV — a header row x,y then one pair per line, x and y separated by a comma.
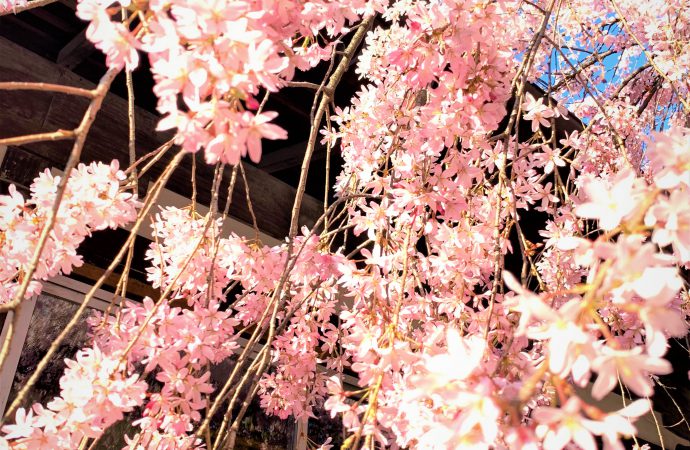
x,y
326,95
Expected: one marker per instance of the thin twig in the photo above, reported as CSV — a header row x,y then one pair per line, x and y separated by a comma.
x,y
162,150
55,345
255,225
131,121
59,135
48,87
303,84
326,95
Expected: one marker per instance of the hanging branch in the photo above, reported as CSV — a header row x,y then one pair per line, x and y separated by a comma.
x,y
46,87
55,345
80,134
326,94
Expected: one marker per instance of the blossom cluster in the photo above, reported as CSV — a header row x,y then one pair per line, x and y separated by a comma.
x,y
168,255
605,311
175,344
215,57
451,166
178,346
93,200
446,358
310,339
93,396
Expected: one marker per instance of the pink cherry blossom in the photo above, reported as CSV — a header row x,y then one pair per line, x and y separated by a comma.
x,y
559,426
671,218
669,160
611,202
93,201
257,127
631,366
446,189
537,112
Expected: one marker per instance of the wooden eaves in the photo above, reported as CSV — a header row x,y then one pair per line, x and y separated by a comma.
x,y
29,112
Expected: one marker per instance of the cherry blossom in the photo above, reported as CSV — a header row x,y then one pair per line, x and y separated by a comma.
x,y
505,254
610,203
217,53
537,112
10,5
632,367
93,200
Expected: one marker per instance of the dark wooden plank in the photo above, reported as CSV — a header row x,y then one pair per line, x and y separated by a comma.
x,y
290,157
32,33
75,51
58,25
21,167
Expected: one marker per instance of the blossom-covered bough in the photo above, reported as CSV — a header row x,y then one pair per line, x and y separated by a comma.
x,y
450,350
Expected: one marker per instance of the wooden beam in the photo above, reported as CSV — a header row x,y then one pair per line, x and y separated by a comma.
x,y
75,51
33,112
135,287
48,16
291,105
69,3
21,167
289,157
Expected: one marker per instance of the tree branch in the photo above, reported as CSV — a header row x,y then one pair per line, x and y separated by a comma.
x,y
30,86
326,94
59,135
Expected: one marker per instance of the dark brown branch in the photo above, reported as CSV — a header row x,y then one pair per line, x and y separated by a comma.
x,y
590,60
